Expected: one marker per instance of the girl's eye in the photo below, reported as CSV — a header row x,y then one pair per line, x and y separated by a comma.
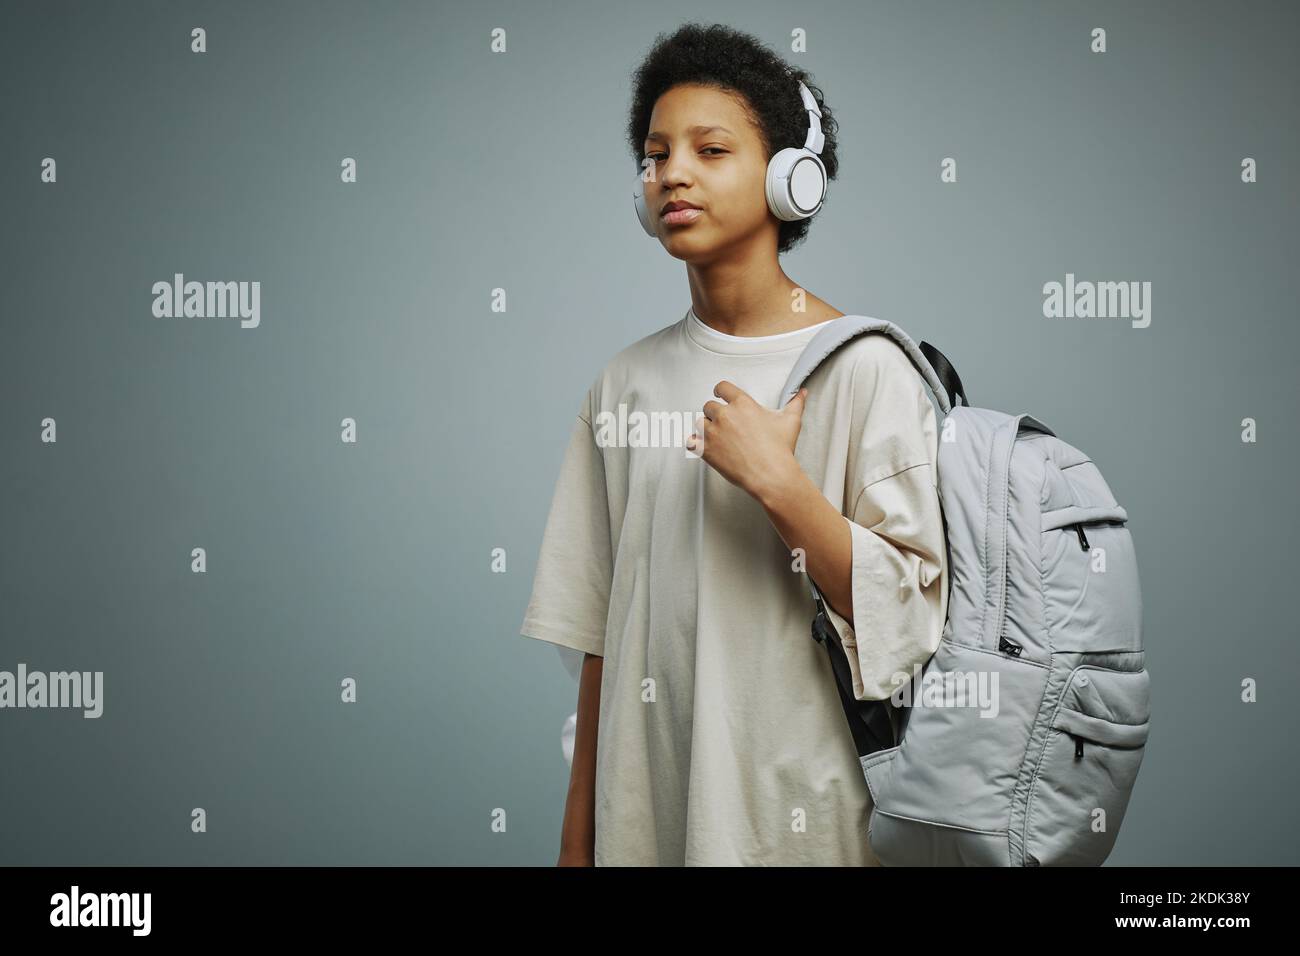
x,y
655,156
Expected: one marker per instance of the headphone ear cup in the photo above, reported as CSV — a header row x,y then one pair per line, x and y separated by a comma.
x,y
642,209
796,183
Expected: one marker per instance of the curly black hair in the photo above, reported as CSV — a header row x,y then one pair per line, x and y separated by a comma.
x,y
725,58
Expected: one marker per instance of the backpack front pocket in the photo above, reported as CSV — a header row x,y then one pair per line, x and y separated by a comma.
x,y
1091,596
1087,768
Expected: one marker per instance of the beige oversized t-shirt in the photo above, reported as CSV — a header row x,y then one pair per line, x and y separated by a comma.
x,y
721,737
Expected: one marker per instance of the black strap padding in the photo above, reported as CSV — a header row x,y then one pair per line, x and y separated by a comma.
x,y
947,374
870,721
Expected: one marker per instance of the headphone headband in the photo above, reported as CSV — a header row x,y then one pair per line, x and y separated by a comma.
x,y
816,140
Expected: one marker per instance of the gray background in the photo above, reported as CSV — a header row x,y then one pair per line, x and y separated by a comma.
x,y
480,171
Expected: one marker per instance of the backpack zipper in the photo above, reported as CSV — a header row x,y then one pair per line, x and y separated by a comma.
x,y
1083,541
1078,747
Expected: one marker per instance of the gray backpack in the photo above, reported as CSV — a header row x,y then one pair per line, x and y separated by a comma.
x,y
1019,741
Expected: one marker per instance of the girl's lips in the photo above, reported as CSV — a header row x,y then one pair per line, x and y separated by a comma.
x,y
680,216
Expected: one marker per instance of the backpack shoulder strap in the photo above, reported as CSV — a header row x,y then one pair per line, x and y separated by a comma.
x,y
848,327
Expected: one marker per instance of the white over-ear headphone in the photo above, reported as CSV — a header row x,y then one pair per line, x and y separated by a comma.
x,y
796,178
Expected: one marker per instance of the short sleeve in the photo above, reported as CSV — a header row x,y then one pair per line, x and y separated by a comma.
x,y
895,518
570,597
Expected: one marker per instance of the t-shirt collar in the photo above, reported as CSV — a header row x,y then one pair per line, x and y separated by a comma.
x,y
715,341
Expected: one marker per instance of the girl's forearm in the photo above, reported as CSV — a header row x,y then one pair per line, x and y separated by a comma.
x,y
804,518
578,833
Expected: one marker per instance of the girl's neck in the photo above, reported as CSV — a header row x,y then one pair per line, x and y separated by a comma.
x,y
742,306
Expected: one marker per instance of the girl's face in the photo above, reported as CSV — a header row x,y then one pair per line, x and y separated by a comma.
x,y
707,152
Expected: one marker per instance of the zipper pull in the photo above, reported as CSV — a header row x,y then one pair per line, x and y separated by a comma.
x,y
1083,542
1008,646
1078,747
